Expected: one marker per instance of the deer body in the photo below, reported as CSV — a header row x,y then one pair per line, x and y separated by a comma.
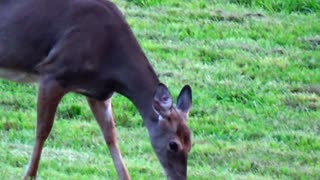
x,y
87,47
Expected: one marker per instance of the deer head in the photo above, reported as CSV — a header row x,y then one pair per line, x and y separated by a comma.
x,y
171,137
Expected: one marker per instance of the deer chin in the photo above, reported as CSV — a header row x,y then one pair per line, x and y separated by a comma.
x,y
175,171
174,175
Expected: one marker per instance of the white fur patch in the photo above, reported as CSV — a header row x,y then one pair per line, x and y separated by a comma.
x,y
18,76
109,112
160,118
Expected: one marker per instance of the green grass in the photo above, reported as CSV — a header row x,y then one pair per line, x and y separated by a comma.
x,y
255,74
304,6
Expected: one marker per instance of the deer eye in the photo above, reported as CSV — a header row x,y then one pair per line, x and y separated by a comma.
x,y
173,146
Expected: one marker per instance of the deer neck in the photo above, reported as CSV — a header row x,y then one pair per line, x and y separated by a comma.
x,y
138,82
141,94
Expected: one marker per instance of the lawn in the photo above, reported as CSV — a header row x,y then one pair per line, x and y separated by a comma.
x,y
254,67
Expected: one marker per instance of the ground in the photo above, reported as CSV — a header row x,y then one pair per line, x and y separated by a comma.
x,y
255,73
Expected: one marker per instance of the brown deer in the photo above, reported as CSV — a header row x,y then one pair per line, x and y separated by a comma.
x,y
87,47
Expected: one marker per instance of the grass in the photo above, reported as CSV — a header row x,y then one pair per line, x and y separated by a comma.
x,y
304,6
255,73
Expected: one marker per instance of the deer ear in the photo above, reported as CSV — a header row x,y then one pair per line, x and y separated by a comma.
x,y
185,99
162,100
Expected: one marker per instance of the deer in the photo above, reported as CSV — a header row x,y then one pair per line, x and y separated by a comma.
x,y
87,47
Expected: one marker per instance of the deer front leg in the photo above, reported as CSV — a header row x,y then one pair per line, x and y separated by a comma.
x,y
50,94
103,114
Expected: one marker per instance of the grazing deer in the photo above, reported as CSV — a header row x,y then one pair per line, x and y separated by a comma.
x,y
87,47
